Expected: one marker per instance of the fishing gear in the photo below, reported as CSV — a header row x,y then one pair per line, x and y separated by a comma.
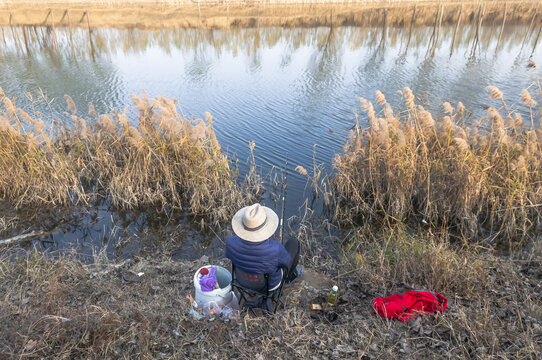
x,y
281,225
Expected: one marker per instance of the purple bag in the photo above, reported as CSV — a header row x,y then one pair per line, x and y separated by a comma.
x,y
208,282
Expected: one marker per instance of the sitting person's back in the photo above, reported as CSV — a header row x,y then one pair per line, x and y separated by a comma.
x,y
263,257
253,249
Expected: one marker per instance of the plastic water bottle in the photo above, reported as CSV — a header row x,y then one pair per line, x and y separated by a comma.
x,y
333,296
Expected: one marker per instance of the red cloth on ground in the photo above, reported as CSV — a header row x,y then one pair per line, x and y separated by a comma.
x,y
409,305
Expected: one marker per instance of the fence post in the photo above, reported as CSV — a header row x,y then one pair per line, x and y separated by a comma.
x,y
71,35
55,42
530,27
15,37
456,29
410,30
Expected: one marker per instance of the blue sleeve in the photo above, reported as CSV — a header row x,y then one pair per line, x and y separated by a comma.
x,y
283,255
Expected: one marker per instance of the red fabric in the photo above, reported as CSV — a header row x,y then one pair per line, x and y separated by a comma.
x,y
409,305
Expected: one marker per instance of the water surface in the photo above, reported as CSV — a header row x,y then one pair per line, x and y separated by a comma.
x,y
295,92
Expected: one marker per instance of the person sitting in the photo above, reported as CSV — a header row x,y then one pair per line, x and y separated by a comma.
x,y
254,250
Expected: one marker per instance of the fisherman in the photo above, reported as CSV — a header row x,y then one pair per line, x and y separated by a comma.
x,y
254,249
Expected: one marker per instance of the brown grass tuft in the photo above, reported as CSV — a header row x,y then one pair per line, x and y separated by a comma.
x,y
421,261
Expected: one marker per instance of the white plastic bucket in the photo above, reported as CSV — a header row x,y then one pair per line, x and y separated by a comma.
x,y
221,296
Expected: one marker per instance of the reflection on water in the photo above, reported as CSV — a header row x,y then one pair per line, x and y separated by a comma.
x,y
286,89
108,42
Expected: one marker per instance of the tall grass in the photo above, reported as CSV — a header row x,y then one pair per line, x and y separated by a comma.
x,y
482,180
34,167
162,160
395,257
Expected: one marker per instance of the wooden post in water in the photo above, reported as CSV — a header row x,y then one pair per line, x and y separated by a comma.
x,y
62,18
89,32
410,31
90,35
4,36
71,35
39,38
258,15
537,38
438,31
45,24
46,17
456,29
55,42
199,14
383,38
502,27
476,42
26,41
477,33
433,35
15,37
530,27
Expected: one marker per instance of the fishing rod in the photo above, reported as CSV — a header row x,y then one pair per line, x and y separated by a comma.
x,y
284,174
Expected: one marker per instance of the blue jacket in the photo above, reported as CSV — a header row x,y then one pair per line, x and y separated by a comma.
x,y
264,257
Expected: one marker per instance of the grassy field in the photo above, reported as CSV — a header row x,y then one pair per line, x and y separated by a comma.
x,y
225,14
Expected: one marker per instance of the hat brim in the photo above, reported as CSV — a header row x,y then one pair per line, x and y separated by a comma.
x,y
259,235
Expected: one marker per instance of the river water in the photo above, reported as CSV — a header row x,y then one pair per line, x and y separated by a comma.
x,y
295,92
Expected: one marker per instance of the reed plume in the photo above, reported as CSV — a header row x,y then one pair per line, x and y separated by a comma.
x,y
526,98
494,92
71,104
300,169
409,97
380,98
448,109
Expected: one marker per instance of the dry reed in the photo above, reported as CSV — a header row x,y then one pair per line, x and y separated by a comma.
x,y
165,161
482,180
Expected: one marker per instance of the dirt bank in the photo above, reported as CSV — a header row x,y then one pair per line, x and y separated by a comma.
x,y
64,309
221,15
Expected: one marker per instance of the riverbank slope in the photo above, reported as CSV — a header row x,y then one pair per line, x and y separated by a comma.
x,y
226,14
61,308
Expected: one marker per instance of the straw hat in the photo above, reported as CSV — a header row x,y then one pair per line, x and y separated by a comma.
x,y
255,223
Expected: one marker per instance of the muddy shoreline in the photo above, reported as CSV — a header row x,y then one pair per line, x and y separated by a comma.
x,y
248,15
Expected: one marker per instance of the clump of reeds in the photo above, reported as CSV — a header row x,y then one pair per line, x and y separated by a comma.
x,y
421,261
160,159
34,168
479,179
